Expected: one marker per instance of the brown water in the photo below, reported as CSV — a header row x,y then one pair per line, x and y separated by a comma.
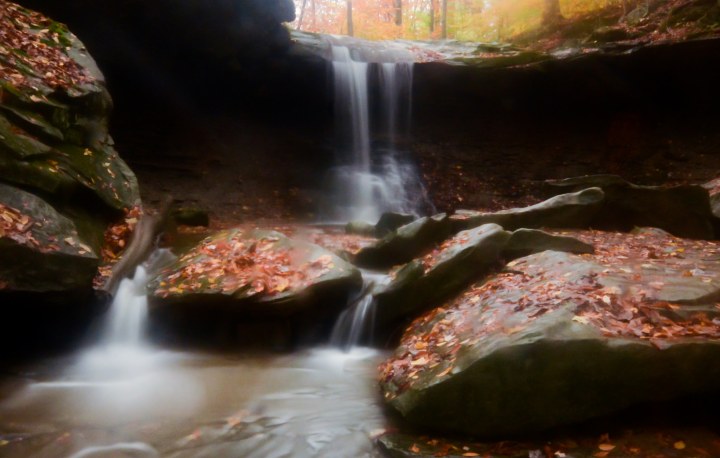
x,y
138,401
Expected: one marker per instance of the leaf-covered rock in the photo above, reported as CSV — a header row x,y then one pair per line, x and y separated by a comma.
x,y
405,243
453,265
683,211
561,338
54,108
426,280
40,249
574,210
259,272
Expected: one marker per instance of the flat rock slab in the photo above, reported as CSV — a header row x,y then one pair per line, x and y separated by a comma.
x,y
40,249
560,338
256,271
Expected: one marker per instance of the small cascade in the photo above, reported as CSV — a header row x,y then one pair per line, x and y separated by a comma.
x,y
356,323
373,104
127,319
128,313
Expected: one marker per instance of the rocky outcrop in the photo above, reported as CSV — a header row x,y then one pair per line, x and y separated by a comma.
x,y
63,180
683,211
560,338
574,210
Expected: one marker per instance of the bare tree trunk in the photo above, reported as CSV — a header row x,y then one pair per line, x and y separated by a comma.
x,y
444,19
398,12
432,16
551,15
350,31
313,12
302,14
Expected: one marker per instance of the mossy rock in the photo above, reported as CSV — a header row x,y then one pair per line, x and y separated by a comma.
x,y
54,136
684,211
42,251
572,210
405,243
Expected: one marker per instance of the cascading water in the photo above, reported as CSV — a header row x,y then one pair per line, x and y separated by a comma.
x,y
356,323
372,176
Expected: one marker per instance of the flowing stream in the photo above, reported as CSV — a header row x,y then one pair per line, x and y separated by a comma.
x,y
123,397
373,105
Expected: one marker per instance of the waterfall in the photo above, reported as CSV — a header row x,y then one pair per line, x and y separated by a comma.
x,y
373,104
127,318
356,323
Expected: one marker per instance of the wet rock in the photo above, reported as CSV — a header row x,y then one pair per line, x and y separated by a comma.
x,y
405,243
237,276
681,210
561,338
40,249
427,280
574,210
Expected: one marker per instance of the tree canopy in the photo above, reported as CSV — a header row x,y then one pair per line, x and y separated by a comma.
x,y
472,20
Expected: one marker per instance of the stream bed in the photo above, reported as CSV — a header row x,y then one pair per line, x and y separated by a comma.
x,y
123,401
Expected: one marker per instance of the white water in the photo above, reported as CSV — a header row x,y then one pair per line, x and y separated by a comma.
x,y
372,177
355,324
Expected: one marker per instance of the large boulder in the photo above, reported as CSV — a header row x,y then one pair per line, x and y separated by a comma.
x,y
560,338
53,115
255,275
54,145
573,210
684,211
40,249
